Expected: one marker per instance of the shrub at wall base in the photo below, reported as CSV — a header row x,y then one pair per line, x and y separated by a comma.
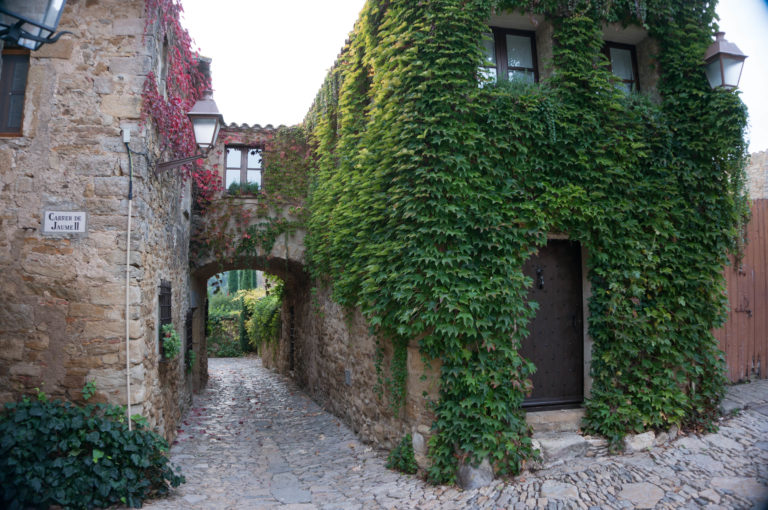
x,y
55,453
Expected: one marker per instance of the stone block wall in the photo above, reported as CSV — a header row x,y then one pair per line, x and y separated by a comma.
x,y
63,321
334,360
757,175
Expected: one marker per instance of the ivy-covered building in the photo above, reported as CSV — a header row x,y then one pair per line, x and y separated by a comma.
x,y
520,205
511,205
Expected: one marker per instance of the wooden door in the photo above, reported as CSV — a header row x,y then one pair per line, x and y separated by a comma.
x,y
556,340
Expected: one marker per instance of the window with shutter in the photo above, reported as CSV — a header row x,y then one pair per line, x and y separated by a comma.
x,y
13,84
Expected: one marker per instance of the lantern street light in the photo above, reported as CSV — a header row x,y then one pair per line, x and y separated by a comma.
x,y
723,63
30,23
206,122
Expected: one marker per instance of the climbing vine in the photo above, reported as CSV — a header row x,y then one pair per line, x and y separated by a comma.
x,y
236,227
429,193
183,82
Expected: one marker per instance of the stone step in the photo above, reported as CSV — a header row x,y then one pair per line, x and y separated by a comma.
x,y
560,420
560,446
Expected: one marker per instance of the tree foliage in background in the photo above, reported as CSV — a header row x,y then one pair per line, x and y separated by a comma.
x,y
263,323
429,194
227,330
233,282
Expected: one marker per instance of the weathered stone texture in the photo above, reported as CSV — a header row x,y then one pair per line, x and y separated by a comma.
x,y
63,321
757,174
334,359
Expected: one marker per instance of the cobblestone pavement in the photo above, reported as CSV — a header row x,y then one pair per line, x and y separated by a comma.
x,y
252,439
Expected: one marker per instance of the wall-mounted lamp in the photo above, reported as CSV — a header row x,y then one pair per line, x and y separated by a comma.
x,y
30,23
723,63
206,122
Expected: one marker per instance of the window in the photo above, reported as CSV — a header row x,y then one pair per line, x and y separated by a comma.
x,y
623,60
510,55
243,166
165,312
13,83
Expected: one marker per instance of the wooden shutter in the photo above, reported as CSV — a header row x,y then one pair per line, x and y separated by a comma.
x,y
13,84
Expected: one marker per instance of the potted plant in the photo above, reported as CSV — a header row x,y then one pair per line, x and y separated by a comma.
x,y
171,342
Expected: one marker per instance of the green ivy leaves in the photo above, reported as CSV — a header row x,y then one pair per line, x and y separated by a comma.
x,y
54,453
429,193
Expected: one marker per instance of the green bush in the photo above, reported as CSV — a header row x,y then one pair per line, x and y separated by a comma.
x,y
221,339
55,453
222,305
264,324
242,332
227,322
401,458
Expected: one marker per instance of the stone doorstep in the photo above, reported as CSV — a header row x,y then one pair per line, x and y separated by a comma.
x,y
560,420
558,436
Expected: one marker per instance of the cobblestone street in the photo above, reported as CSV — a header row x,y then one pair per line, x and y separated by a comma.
x,y
252,439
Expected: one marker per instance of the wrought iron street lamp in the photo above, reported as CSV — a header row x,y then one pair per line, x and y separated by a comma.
x,y
206,122
30,23
723,63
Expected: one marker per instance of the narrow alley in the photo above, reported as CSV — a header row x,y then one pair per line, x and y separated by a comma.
x,y
252,439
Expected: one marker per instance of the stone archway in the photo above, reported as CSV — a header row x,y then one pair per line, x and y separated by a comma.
x,y
216,247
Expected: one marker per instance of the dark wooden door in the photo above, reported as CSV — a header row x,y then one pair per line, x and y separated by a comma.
x,y
556,340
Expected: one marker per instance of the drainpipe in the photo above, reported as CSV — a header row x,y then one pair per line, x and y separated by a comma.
x,y
126,140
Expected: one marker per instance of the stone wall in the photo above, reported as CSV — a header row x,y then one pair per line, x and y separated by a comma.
x,y
334,361
757,175
63,322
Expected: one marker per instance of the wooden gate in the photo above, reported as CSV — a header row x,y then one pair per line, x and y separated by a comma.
x,y
744,338
555,343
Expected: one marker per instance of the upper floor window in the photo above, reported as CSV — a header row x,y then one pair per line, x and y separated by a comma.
x,y
510,55
243,169
13,83
623,60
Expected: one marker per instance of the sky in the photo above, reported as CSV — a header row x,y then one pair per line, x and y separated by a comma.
x,y
270,57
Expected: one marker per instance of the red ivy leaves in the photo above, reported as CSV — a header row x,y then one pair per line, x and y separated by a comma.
x,y
185,84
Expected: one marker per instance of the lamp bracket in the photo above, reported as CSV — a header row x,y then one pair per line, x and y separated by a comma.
x,y
178,162
14,32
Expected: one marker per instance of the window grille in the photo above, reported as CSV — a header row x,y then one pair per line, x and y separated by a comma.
x,y
165,312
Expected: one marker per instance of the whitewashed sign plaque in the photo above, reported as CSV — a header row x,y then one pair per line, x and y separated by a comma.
x,y
64,222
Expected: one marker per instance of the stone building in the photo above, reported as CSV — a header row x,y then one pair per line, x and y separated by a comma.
x,y
69,306
64,184
384,105
333,354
